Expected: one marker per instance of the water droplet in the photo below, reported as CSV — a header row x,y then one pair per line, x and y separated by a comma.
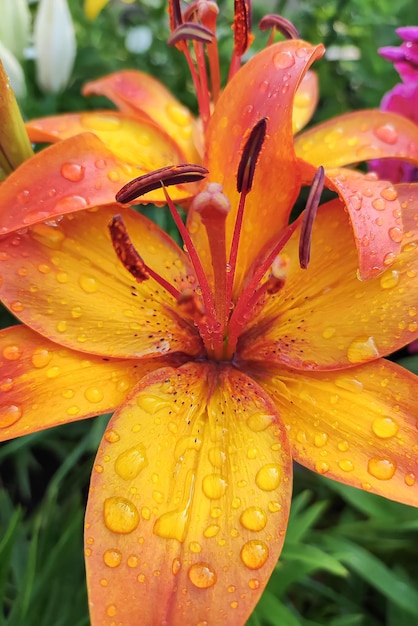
x,y
62,278
355,201
152,404
349,384
346,465
195,547
385,427
389,279
214,486
41,357
62,326
253,583
6,384
217,457
379,204
321,467
130,463
211,531
362,349
111,436
328,332
133,560
88,283
320,439
202,576
120,515
68,204
389,193
410,479
381,468
254,554
253,518
176,566
93,394
112,557
396,234
269,477
10,414
259,421
389,258
387,133
73,172
111,610
53,372
284,60
12,352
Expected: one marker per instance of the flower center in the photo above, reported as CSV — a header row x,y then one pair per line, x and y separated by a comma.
x,y
218,316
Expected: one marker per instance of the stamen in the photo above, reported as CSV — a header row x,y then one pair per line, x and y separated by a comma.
x,y
277,22
250,154
192,32
174,11
130,257
242,33
213,207
165,176
309,217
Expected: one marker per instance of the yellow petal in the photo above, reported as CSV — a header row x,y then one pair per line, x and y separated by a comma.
x,y
64,280
357,426
144,97
92,8
306,99
140,144
187,519
324,317
359,136
43,384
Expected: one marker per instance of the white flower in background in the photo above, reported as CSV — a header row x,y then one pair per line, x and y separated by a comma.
x,y
14,37
55,45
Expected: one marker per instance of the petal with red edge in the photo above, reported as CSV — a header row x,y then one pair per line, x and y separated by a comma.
x,y
143,96
408,197
65,281
358,426
263,87
324,317
75,174
43,384
138,143
359,136
187,519
375,214
306,99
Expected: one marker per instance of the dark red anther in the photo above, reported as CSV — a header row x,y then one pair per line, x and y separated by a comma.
x,y
126,251
163,177
250,155
174,11
190,31
242,26
284,26
309,217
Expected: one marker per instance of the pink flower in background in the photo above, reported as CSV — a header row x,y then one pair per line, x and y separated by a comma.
x,y
402,99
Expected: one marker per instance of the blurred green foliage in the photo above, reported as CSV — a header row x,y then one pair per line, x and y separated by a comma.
x,y
351,558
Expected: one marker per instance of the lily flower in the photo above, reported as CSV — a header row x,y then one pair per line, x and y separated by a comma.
x,y
402,99
254,344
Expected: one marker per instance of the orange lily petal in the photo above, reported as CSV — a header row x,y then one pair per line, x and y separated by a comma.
x,y
359,136
187,513
375,214
75,174
15,146
143,96
65,281
138,143
36,373
408,197
324,317
357,426
306,99
263,87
